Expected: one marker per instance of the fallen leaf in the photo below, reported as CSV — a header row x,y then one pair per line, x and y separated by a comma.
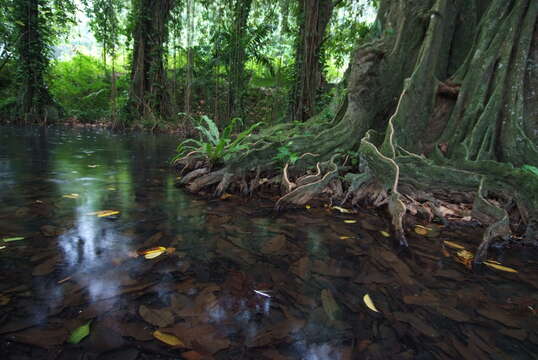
x,y
104,213
342,210
329,304
499,267
350,221
71,196
453,245
93,166
2,247
274,245
369,303
111,188
422,230
79,333
4,300
168,339
344,237
465,257
385,234
157,317
226,196
308,207
152,253
16,238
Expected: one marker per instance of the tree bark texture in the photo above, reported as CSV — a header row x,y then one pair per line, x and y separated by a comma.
x,y
313,18
149,94
237,77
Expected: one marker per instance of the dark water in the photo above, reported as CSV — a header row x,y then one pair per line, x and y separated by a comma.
x,y
237,281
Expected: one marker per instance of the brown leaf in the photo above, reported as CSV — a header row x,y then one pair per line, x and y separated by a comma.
x,y
45,267
301,267
203,338
416,323
274,245
157,317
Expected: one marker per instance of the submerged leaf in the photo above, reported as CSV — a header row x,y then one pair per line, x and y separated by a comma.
x,y
79,333
104,213
16,238
493,265
453,245
153,252
342,210
329,304
369,303
350,221
384,233
71,196
422,230
168,339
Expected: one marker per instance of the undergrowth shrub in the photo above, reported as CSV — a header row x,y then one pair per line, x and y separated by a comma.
x,y
82,89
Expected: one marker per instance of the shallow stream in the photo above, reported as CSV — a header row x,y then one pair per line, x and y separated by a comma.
x,y
228,279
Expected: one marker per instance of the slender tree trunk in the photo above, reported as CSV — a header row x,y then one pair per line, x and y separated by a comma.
x,y
236,69
35,101
313,18
148,94
190,55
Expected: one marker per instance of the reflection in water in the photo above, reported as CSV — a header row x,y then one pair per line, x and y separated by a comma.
x,y
236,281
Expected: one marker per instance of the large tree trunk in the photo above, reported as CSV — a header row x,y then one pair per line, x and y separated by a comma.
x,y
148,95
442,100
236,68
35,101
313,18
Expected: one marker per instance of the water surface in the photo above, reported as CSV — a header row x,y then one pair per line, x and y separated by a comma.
x,y
237,281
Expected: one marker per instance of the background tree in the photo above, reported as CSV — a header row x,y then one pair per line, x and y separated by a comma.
x,y
149,96
236,73
313,17
37,25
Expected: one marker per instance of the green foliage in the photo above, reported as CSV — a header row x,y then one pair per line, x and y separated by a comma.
x,y
531,169
285,155
214,145
81,88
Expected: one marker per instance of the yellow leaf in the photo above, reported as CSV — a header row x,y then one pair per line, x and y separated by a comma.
x,y
384,233
344,237
307,207
342,210
93,166
111,188
168,339
153,252
453,245
225,196
369,303
350,221
71,196
104,213
499,267
422,230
